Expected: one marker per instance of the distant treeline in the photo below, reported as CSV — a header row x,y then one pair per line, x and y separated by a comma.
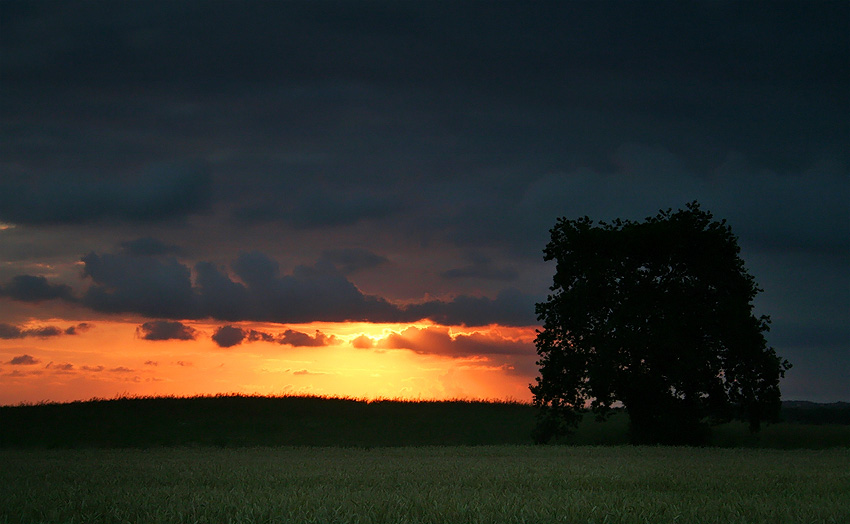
x,y
238,420
803,412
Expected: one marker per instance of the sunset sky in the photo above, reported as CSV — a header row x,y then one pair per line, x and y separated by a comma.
x,y
352,198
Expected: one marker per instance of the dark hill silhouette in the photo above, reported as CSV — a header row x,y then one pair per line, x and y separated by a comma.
x,y
239,420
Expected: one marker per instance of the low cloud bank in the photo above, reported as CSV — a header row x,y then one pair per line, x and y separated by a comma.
x,y
162,287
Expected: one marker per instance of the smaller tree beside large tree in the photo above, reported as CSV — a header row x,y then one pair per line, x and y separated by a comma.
x,y
658,316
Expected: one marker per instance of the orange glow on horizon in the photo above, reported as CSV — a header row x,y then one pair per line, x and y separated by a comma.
x,y
407,361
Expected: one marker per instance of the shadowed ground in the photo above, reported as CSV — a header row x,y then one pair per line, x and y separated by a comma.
x,y
446,484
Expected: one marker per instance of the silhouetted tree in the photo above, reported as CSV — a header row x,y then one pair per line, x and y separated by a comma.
x,y
656,315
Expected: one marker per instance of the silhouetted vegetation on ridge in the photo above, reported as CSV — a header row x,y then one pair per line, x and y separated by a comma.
x,y
240,420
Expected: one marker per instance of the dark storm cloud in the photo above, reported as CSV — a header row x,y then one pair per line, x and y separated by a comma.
x,y
162,287
315,208
511,307
309,293
28,288
352,260
403,88
165,330
481,268
320,292
162,193
147,246
149,286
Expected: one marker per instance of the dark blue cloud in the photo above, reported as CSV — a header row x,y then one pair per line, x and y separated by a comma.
x,y
162,193
153,287
352,260
315,208
29,288
148,246
162,288
481,267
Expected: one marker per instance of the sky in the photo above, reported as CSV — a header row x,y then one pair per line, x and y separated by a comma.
x,y
351,198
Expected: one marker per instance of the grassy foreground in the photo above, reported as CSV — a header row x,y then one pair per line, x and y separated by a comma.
x,y
448,484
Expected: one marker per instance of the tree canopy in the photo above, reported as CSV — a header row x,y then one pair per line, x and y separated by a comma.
x,y
656,316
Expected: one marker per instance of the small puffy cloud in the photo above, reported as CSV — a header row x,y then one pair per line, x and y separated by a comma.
x,y
254,336
165,330
151,363
121,369
228,336
94,369
24,360
363,342
299,339
60,367
307,372
30,288
45,332
79,328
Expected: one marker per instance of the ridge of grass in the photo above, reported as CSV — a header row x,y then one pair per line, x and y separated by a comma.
x,y
234,420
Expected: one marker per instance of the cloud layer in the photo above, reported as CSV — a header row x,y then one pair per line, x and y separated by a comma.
x,y
398,161
165,288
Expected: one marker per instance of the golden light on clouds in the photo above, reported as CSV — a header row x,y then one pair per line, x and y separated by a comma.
x,y
412,361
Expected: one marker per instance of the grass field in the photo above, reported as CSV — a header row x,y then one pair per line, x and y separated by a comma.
x,y
448,484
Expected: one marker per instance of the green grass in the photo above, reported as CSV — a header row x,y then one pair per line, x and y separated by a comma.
x,y
448,484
